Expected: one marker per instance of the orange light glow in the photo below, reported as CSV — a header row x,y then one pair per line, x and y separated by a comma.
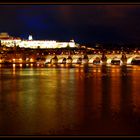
x,y
27,65
20,65
14,65
20,59
31,60
31,65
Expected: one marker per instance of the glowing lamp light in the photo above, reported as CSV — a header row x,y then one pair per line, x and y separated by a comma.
x,y
31,65
0,60
61,65
31,60
20,65
14,60
14,65
27,65
49,65
20,59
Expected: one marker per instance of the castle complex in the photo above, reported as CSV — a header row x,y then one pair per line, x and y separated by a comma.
x,y
9,41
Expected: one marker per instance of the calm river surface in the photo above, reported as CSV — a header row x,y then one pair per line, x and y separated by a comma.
x,y
97,100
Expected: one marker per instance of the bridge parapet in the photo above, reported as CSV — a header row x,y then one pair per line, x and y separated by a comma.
x,y
94,56
111,56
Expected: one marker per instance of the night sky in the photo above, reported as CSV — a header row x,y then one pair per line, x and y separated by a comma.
x,y
83,23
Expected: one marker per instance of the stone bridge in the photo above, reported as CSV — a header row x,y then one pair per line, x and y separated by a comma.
x,y
91,58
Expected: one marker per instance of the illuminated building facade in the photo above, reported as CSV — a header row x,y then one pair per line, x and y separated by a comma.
x,y
9,41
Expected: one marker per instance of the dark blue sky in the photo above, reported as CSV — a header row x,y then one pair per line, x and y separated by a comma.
x,y
84,23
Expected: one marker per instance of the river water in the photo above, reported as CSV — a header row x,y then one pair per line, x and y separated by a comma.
x,y
95,101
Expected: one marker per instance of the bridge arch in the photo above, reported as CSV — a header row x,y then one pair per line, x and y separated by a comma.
x,y
95,60
77,60
62,60
69,60
48,59
116,60
54,60
132,58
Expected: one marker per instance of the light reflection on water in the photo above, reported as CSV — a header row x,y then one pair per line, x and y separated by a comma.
x,y
100,100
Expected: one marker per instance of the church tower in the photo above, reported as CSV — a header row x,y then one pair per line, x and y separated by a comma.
x,y
30,37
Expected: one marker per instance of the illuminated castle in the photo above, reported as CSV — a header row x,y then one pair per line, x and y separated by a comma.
x,y
10,41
